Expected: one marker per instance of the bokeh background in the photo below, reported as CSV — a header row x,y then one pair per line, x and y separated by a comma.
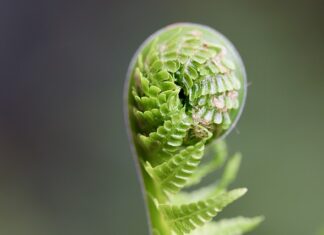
x,y
65,163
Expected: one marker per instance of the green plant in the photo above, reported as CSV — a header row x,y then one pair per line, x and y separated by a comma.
x,y
186,89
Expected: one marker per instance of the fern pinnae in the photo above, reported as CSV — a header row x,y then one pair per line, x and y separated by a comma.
x,y
229,174
173,174
186,218
186,88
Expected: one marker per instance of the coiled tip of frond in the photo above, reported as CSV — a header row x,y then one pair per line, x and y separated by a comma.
x,y
192,67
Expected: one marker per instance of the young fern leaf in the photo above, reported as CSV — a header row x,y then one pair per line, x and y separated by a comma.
x,y
185,89
228,176
168,138
173,174
185,218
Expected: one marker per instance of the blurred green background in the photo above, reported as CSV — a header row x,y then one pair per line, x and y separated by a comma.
x,y
65,163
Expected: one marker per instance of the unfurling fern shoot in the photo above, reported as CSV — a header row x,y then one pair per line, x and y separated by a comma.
x,y
185,89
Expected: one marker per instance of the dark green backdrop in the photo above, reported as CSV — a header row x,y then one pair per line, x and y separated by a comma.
x,y
65,164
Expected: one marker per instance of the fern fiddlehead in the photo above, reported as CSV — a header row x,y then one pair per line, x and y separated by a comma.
x,y
186,88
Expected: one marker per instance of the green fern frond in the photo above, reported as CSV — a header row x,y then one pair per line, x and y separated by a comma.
x,y
186,88
172,175
168,138
185,218
228,176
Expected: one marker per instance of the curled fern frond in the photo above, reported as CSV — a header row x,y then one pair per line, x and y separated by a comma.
x,y
186,88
